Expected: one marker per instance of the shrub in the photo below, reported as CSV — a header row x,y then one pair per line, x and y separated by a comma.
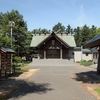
x,y
17,59
17,62
86,63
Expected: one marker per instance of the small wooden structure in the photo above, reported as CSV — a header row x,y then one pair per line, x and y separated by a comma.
x,y
95,42
5,61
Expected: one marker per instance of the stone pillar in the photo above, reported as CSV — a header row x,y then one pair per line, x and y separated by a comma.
x,y
44,54
98,66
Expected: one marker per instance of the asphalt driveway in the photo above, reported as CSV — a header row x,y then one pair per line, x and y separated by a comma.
x,y
54,81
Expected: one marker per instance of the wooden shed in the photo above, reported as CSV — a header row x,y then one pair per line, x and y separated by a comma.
x,y
5,61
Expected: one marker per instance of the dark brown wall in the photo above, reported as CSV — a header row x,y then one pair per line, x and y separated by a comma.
x,y
53,49
5,63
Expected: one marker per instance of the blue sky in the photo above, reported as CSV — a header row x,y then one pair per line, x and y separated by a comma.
x,y
47,13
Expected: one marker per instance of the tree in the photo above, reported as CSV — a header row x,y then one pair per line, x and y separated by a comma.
x,y
78,37
4,38
45,31
85,34
28,51
97,30
69,30
19,30
58,28
92,32
41,31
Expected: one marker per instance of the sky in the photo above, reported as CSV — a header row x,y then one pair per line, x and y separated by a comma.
x,y
47,13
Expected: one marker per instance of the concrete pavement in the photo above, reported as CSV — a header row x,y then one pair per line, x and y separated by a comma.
x,y
54,81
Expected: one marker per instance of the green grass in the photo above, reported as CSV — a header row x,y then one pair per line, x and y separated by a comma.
x,y
98,90
86,63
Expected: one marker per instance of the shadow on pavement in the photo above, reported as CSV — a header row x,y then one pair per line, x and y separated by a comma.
x,y
21,88
88,77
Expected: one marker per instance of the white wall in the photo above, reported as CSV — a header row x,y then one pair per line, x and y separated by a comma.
x,y
88,57
78,56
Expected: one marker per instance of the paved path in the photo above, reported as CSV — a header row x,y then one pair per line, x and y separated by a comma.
x,y
54,82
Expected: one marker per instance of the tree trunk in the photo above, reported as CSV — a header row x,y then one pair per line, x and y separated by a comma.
x,y
98,66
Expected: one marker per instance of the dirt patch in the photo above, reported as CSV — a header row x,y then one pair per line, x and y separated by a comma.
x,y
91,89
28,74
89,80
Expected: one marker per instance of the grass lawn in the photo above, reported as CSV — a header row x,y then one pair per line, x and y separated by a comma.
x,y
98,90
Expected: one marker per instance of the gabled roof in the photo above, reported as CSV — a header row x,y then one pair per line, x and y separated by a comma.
x,y
94,50
67,39
93,42
83,50
37,39
86,51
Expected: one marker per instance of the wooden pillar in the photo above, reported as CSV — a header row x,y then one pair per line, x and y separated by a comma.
x,y
39,53
44,50
0,64
11,65
44,54
98,66
61,53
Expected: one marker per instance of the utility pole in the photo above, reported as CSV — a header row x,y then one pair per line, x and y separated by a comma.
x,y
11,24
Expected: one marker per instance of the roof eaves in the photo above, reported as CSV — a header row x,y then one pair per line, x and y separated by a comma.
x,y
7,50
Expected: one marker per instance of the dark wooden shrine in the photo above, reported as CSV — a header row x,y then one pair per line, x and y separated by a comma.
x,y
95,42
56,47
5,61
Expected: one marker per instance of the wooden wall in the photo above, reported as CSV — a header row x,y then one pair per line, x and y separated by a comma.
x,y
5,66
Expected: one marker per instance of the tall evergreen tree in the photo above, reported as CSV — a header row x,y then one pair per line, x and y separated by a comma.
x,y
97,30
59,28
78,37
85,33
40,31
92,31
69,29
19,30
